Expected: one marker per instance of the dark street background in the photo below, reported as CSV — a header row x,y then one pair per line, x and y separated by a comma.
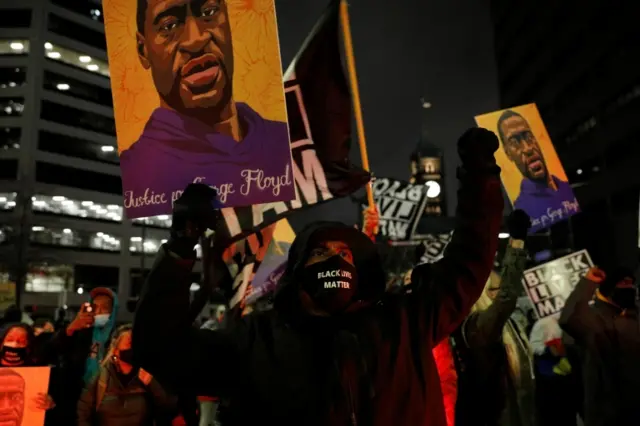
x,y
405,48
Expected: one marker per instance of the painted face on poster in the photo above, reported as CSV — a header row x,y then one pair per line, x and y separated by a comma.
x,y
184,108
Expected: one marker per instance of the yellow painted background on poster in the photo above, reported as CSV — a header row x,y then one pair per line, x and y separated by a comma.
x,y
510,175
257,78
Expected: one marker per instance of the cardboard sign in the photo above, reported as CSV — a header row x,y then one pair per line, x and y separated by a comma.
x,y
532,173
18,389
549,285
401,205
435,246
198,97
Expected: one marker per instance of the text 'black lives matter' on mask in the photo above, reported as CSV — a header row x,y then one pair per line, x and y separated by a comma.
x,y
331,284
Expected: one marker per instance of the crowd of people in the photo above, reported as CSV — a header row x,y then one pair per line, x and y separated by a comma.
x,y
340,345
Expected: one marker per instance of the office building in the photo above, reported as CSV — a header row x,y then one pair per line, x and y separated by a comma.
x,y
60,189
579,64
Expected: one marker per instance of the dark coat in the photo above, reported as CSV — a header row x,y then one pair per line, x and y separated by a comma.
x,y
373,366
483,378
610,341
122,404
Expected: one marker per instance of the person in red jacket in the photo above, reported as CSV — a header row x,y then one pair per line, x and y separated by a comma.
x,y
335,350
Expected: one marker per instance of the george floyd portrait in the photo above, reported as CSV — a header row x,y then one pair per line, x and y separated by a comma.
x,y
198,97
18,389
532,173
12,388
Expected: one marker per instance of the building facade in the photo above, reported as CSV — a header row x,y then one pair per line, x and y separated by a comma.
x,y
63,230
579,65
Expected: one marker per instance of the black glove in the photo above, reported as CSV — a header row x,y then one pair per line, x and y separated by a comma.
x,y
476,148
193,214
518,224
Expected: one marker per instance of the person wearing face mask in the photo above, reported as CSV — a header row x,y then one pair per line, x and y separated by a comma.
x,y
335,349
83,344
608,333
16,350
122,394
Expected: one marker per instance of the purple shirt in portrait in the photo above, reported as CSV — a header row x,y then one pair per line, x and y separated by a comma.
x,y
175,150
544,205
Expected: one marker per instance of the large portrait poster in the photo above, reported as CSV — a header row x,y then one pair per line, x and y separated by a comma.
x,y
532,173
18,389
198,97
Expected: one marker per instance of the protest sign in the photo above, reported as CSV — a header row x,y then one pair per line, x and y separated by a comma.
x,y
18,389
319,116
400,205
198,96
549,285
434,247
532,173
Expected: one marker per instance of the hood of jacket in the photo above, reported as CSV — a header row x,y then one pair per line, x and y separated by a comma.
x,y
367,261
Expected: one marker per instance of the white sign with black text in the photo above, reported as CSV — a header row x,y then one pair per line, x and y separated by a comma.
x,y
401,205
549,285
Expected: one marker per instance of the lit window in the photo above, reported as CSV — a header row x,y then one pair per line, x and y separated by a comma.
x,y
61,205
76,59
162,221
14,47
149,245
80,239
45,278
7,200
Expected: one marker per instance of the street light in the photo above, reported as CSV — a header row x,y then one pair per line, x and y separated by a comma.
x,y
433,189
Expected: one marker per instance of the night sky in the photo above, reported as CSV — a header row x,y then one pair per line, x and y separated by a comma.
x,y
406,49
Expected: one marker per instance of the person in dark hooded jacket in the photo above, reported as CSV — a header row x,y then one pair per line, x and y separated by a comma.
x,y
335,350
82,345
608,333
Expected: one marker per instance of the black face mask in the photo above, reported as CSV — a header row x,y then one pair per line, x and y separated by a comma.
x,y
624,297
126,356
332,284
15,356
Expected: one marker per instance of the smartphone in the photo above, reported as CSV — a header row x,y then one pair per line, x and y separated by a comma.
x,y
86,307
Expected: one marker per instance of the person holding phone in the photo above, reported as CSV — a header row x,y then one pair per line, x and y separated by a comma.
x,y
83,345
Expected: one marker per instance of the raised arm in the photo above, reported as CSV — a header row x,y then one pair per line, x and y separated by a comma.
x,y
577,318
485,327
446,291
164,342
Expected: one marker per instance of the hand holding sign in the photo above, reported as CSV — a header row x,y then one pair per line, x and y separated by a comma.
x,y
43,401
371,222
193,214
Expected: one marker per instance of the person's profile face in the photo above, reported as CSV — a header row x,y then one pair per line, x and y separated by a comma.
x,y
124,343
521,146
187,46
102,305
328,249
11,399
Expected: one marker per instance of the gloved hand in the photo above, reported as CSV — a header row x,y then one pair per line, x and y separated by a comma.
x,y
193,214
518,224
476,148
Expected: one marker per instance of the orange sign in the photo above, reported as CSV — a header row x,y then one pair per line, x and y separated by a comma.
x,y
532,173
19,388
